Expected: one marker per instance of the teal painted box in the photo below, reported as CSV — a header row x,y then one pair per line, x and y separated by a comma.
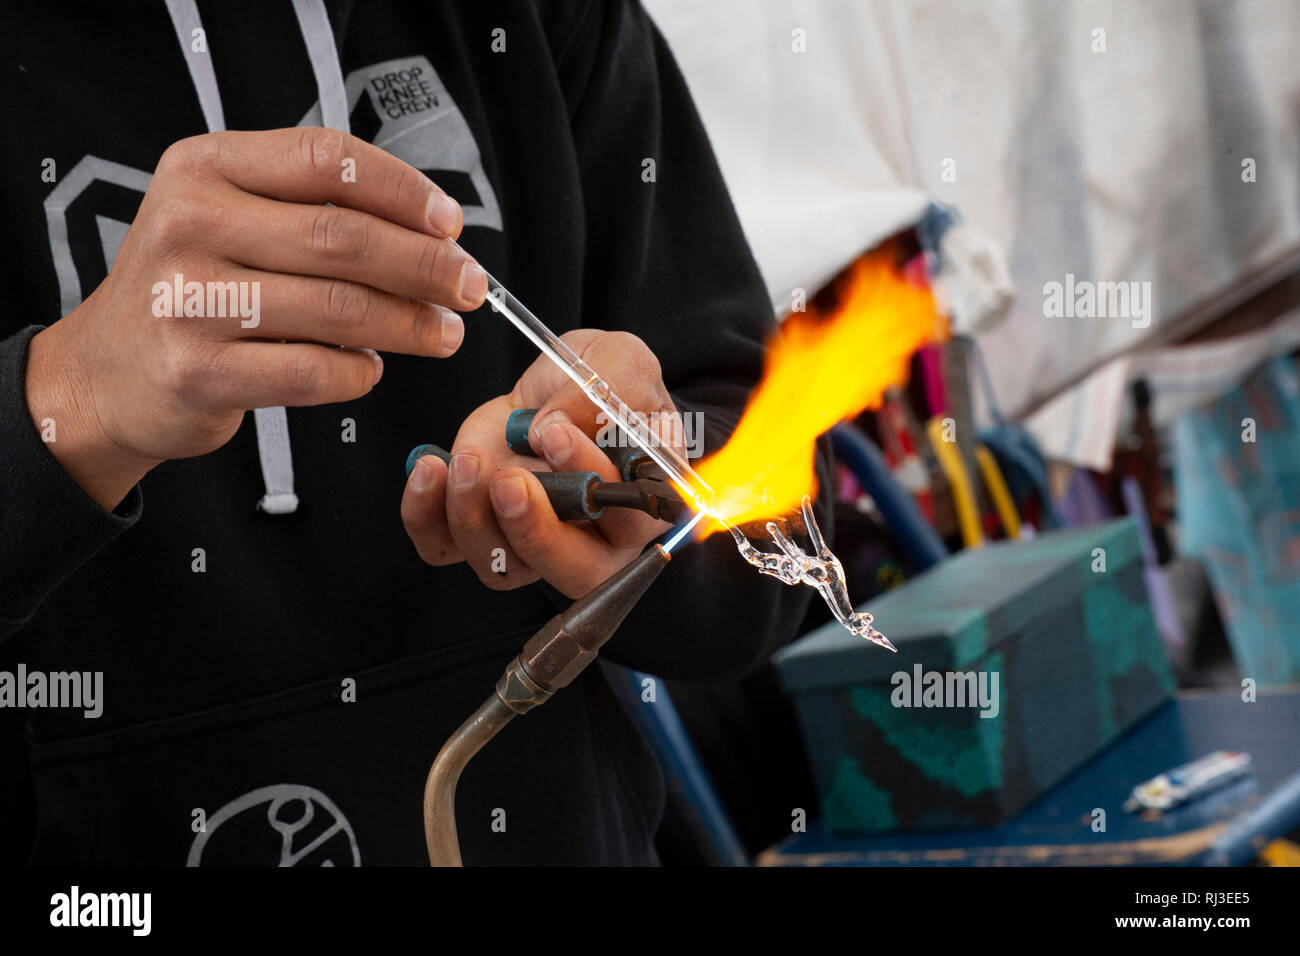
x,y
1060,655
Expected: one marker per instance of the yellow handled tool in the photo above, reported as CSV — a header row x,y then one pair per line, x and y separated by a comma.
x,y
963,490
998,491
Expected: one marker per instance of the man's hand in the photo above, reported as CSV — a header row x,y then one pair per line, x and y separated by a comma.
x,y
488,500
376,270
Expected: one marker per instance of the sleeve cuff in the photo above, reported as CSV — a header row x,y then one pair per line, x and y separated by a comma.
x,y
49,526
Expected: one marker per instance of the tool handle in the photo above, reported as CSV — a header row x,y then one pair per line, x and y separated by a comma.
x,y
517,425
420,451
625,455
570,492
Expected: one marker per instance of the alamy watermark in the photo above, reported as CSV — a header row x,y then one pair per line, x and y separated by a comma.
x,y
666,428
78,690
1084,299
946,689
211,300
133,911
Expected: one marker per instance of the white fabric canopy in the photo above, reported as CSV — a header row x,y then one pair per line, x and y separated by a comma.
x,y
1114,165
818,161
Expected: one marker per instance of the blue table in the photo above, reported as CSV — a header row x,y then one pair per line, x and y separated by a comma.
x,y
1228,827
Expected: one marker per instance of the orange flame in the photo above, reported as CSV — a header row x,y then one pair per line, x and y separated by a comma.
x,y
820,369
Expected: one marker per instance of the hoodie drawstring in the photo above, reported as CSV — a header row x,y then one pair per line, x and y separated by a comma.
x,y
273,447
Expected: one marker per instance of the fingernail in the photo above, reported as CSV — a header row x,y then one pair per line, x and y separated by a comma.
x,y
453,331
379,362
443,213
464,469
473,283
557,443
422,474
510,495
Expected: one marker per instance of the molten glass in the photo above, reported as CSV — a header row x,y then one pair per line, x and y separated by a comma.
x,y
820,570
824,366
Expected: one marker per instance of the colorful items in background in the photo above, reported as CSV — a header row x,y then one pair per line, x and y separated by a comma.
x,y
1237,474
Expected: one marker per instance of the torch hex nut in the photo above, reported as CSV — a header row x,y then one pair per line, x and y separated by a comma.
x,y
518,691
555,659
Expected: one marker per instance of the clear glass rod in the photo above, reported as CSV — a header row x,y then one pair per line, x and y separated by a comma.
x,y
598,390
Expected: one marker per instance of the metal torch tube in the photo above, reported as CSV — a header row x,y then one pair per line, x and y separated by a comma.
x,y
440,787
552,659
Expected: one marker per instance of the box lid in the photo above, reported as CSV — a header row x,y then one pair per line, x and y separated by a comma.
x,y
962,609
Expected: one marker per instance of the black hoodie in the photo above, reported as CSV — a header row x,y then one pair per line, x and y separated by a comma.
x,y
223,689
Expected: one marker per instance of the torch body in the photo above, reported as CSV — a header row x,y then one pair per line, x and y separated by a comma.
x,y
552,659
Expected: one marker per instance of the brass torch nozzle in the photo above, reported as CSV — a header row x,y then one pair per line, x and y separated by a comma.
x,y
551,659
